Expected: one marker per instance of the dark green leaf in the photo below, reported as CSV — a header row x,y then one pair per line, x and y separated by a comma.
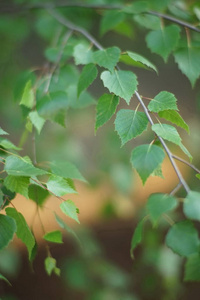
x,y
163,101
88,75
23,231
54,237
5,279
129,124
7,228
38,194
69,208
188,61
59,186
110,20
137,7
17,184
183,238
121,83
28,95
21,167
66,169
174,117
164,40
146,159
137,237
191,206
192,268
159,204
107,58
106,107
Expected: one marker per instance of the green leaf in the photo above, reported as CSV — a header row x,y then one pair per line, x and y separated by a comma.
x,y
147,21
17,184
88,75
121,83
59,186
21,167
23,231
106,107
50,266
129,124
2,132
54,237
8,144
137,237
191,206
52,105
184,149
183,238
146,159
69,208
141,61
188,61
7,229
167,132
110,20
137,7
38,194
28,95
163,101
159,204
66,169
164,40
5,279
107,58
84,100
36,120
83,54
63,225
174,117
192,268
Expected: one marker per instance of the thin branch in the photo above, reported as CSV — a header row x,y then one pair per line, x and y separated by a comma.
x,y
186,163
175,190
70,25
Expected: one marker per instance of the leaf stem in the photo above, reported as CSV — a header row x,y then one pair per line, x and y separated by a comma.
x,y
173,192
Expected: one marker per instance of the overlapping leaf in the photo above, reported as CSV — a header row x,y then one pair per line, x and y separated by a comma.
x,y
66,169
17,184
191,206
167,132
59,186
88,75
174,117
7,228
192,268
110,20
129,124
163,101
38,194
36,120
83,54
107,58
28,95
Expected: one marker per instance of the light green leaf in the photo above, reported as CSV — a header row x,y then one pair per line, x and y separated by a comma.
x,y
188,61
129,124
5,279
183,238
8,144
59,186
191,206
66,169
52,105
121,83
88,75
141,60
192,268
28,95
21,167
163,101
167,132
50,266
23,231
164,40
54,237
36,120
158,172
63,225
137,237
83,54
184,149
159,204
17,184
110,20
198,176
107,58
7,228
106,107
146,159
38,194
69,208
2,132
174,117
137,7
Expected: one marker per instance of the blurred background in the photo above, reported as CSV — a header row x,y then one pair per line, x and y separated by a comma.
x,y
112,200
